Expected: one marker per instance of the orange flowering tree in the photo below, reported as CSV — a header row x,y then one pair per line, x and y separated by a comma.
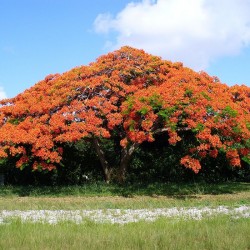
x,y
127,96
217,117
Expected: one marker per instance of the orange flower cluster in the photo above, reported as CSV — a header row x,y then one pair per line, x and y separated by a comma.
x,y
233,157
23,160
191,163
17,150
43,166
173,138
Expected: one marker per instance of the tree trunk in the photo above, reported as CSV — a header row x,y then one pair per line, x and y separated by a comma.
x,y
125,159
105,165
126,156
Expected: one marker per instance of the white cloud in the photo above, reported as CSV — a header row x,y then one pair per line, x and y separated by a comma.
x,y
195,32
2,93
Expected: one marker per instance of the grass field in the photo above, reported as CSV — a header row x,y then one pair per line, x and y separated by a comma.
x,y
220,232
217,233
101,196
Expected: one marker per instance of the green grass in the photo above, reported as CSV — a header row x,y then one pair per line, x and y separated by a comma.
x,y
97,196
102,189
220,232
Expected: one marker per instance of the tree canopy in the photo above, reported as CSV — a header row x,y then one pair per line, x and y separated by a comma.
x,y
128,96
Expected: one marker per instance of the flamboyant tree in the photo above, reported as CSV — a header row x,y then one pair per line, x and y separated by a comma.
x,y
128,96
216,115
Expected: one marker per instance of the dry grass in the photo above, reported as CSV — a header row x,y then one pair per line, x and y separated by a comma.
x,y
155,201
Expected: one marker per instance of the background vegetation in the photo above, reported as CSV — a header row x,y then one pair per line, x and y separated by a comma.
x,y
156,162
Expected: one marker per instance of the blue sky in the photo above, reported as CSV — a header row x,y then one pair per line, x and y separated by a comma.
x,y
40,37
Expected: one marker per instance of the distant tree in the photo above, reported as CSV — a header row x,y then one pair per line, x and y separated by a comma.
x,y
126,97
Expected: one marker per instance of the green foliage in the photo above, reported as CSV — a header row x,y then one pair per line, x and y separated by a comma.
x,y
248,143
79,162
166,113
205,96
3,164
152,162
246,159
143,111
155,102
188,93
211,111
248,125
14,121
198,128
229,112
236,129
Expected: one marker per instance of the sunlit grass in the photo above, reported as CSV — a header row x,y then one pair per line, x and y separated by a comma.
x,y
25,203
221,232
101,196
